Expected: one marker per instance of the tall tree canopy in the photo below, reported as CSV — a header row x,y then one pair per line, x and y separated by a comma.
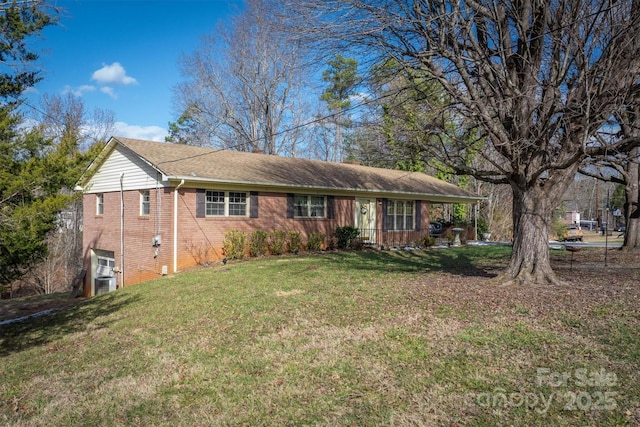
x,y
29,178
342,79
537,79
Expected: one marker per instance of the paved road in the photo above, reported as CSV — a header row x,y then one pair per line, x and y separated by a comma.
x,y
612,244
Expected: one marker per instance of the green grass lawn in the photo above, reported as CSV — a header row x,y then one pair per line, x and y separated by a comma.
x,y
366,338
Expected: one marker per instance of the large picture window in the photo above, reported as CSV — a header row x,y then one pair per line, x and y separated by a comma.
x,y
307,206
221,203
400,215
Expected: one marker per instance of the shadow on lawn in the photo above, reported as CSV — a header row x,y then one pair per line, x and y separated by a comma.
x,y
38,331
452,261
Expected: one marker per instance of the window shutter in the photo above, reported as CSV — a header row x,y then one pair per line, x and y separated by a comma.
x,y
290,200
201,198
253,201
384,214
331,207
418,216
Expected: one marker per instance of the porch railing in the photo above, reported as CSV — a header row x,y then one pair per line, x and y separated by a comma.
x,y
392,238
404,238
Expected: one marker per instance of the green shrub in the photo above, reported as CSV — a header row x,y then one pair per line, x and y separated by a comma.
x,y
258,243
483,227
346,236
234,243
295,242
426,242
315,241
277,241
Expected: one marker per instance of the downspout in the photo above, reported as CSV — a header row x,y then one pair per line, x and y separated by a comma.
x,y
122,229
175,226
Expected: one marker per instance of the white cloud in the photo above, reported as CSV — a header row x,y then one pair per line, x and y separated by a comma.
x,y
151,133
113,74
78,91
109,91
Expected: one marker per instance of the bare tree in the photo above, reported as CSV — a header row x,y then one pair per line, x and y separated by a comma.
x,y
64,255
622,166
538,79
65,118
242,87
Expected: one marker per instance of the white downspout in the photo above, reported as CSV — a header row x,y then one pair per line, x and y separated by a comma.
x,y
175,226
122,229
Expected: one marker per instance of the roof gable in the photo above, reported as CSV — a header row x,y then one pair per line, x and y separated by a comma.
x,y
118,161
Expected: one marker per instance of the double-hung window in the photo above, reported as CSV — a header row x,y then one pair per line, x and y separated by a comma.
x,y
99,204
237,204
307,206
145,202
400,215
229,203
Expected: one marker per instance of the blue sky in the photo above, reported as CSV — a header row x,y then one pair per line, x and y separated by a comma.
x,y
123,56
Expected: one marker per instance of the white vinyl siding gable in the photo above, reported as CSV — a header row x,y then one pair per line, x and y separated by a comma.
x,y
137,174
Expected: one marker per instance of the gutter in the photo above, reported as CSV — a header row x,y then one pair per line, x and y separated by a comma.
x,y
358,192
175,226
122,228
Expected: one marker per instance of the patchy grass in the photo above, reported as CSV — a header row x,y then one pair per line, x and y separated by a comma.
x,y
369,338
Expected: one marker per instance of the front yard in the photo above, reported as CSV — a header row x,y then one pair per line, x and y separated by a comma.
x,y
417,338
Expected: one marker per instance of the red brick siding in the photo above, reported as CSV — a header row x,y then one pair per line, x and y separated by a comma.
x,y
199,236
197,233
103,232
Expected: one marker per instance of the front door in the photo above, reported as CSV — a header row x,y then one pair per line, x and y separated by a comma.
x,y
366,219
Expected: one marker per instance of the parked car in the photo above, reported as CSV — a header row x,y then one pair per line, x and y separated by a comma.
x,y
573,234
621,228
435,229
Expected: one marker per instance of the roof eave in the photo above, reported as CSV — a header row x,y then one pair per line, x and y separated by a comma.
x,y
190,180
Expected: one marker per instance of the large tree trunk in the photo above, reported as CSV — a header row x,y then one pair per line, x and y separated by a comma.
x,y
533,210
632,211
530,262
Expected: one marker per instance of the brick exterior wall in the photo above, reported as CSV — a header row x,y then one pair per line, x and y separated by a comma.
x,y
199,239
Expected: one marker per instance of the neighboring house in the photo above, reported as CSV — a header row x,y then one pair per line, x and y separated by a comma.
x,y
154,208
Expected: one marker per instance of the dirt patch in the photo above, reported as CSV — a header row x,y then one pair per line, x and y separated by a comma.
x,y
20,307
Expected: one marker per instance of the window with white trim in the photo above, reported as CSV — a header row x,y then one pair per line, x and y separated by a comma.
x,y
99,204
229,203
145,202
400,215
308,206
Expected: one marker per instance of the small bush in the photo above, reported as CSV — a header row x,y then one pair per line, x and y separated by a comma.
x,y
234,243
315,241
346,235
258,243
200,253
332,245
356,244
427,242
277,241
295,242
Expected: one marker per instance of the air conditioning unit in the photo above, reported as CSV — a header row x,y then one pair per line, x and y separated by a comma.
x,y
104,285
104,271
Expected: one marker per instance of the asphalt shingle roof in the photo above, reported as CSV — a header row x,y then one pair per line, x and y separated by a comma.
x,y
183,161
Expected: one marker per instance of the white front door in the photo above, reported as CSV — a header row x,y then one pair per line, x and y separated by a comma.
x,y
365,219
